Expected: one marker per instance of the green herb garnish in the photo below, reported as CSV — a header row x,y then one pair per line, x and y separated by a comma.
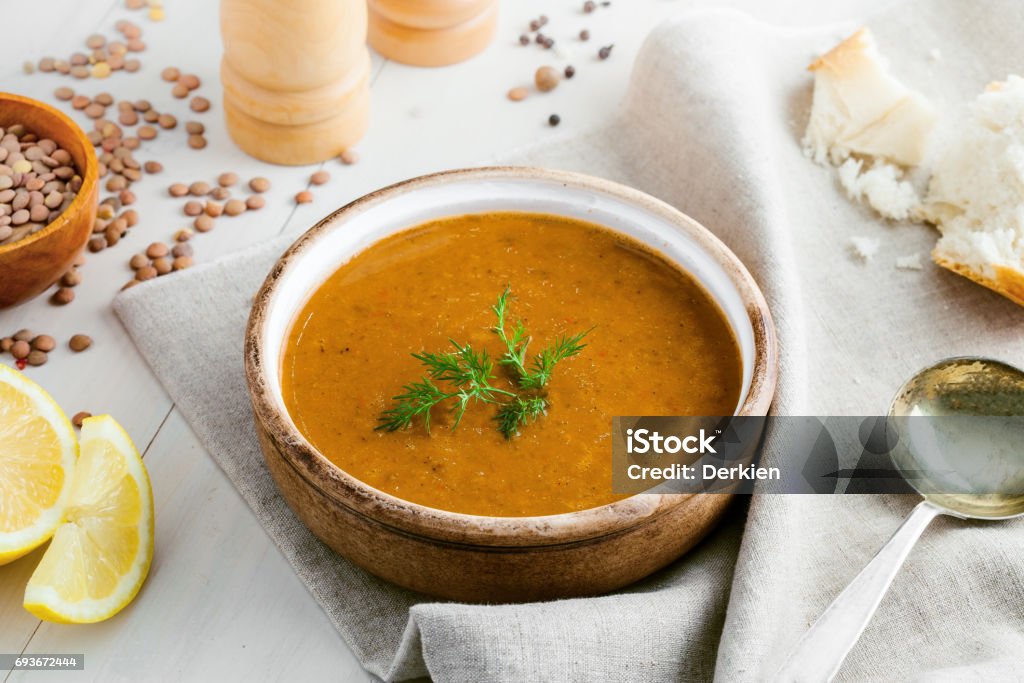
x,y
468,374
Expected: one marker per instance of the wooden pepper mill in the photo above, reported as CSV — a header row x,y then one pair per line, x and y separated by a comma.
x,y
295,76
431,32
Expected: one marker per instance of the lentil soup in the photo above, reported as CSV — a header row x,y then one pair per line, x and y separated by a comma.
x,y
659,345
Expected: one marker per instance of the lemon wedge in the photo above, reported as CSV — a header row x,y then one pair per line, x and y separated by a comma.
x,y
99,557
37,456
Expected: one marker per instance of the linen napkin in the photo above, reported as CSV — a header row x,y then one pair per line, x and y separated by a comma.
x,y
711,124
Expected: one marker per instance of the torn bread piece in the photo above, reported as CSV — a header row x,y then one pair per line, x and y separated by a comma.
x,y
869,124
976,193
860,108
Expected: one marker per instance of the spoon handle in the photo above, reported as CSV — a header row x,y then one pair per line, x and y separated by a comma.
x,y
821,651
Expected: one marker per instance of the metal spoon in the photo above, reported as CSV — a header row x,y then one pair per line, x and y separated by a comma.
x,y
968,464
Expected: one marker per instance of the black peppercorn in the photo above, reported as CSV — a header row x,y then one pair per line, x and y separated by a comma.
x,y
570,71
549,43
605,52
589,6
584,35
554,120
524,39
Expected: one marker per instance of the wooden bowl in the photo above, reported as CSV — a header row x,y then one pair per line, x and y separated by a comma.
x,y
30,265
477,558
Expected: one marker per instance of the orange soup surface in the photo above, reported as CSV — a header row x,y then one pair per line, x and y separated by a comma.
x,y
659,345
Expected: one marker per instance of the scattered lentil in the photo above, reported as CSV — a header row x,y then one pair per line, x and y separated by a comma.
x,y
199,104
20,349
234,207
254,202
320,178
349,157
227,179
63,296
518,94
304,197
262,184
203,223
546,78
80,342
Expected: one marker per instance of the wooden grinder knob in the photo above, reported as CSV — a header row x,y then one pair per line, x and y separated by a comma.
x,y
295,76
431,32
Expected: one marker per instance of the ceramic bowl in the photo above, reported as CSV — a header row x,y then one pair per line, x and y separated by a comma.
x,y
477,558
30,265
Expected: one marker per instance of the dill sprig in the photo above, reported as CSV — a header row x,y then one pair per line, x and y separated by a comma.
x,y
469,374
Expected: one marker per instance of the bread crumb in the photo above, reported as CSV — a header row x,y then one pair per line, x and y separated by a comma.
x,y
976,193
935,54
880,186
865,248
909,262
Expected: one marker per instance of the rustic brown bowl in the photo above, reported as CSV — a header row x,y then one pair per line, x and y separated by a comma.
x,y
30,265
476,558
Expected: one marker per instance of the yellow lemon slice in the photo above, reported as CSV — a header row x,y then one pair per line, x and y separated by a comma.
x,y
99,557
37,456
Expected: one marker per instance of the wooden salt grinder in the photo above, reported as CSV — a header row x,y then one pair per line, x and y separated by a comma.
x,y
295,76
431,32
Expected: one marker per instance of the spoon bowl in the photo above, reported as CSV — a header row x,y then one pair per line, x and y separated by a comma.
x,y
958,426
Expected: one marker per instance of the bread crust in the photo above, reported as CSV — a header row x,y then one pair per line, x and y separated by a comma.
x,y
1008,281
843,56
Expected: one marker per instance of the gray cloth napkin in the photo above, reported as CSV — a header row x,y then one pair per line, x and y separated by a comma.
x,y
711,124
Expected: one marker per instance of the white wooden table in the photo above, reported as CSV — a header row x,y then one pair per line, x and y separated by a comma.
x,y
221,603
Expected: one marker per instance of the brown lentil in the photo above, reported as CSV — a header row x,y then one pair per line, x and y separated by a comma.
x,y
320,178
199,104
36,358
145,273
546,78
170,74
259,184
196,141
80,342
518,94
255,202
44,343
138,261
234,207
63,296
72,278
304,197
182,249
203,223
349,157
20,349
178,190
199,189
